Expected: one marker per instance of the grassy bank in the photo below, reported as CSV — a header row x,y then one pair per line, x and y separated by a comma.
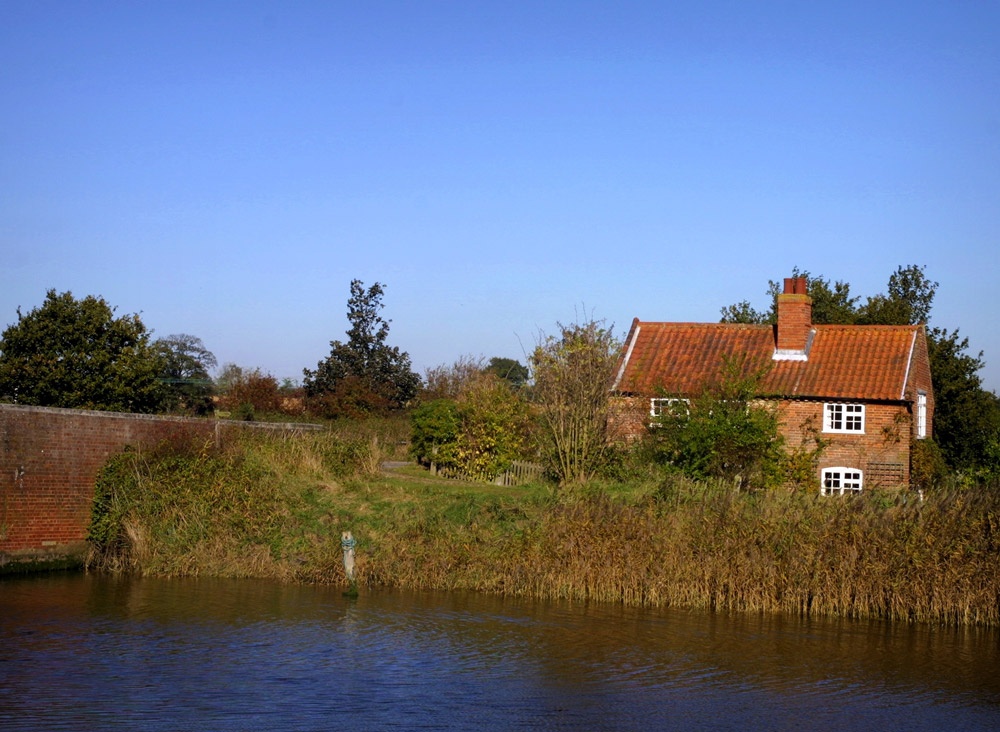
x,y
275,506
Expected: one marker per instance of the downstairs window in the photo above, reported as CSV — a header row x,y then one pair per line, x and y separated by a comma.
x,y
662,406
838,481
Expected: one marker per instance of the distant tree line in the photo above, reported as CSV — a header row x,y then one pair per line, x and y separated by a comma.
x,y
479,415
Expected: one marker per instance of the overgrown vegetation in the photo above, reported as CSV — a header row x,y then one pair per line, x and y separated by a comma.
x,y
274,506
485,428
259,505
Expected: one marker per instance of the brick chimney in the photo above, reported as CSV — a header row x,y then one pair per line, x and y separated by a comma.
x,y
793,334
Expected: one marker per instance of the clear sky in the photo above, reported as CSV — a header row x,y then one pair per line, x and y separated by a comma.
x,y
225,169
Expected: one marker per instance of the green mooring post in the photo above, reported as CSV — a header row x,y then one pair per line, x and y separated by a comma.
x,y
347,544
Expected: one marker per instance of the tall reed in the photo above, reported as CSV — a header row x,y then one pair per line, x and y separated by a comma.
x,y
864,557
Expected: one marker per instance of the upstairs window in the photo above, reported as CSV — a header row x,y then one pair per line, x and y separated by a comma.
x,y
849,418
838,481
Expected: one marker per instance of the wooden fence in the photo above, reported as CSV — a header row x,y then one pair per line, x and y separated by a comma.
x,y
519,473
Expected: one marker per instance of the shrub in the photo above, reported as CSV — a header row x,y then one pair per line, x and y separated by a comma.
x,y
480,433
723,434
434,433
927,464
573,373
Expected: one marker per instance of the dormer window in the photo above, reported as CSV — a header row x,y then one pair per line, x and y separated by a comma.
x,y
847,418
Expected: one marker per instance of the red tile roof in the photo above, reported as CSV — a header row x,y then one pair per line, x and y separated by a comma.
x,y
868,362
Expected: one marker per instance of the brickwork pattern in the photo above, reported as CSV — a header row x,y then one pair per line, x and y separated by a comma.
x,y
49,460
885,442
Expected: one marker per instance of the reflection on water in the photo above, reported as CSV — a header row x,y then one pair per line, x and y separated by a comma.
x,y
86,652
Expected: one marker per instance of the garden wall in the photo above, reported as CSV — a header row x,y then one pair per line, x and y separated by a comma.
x,y
49,460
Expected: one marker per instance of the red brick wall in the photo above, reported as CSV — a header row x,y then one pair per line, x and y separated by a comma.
x,y
882,452
49,459
919,379
628,418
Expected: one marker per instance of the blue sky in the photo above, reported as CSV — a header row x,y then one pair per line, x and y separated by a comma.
x,y
225,169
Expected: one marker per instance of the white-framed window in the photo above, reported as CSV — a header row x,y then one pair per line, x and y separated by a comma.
x,y
662,406
838,481
921,415
848,418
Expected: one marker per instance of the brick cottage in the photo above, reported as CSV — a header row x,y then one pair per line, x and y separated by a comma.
x,y
864,390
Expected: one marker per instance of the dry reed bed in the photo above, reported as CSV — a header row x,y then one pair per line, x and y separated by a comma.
x,y
935,561
275,508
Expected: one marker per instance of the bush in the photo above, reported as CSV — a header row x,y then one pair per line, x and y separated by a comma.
x,y
480,433
434,433
572,391
723,434
255,506
927,465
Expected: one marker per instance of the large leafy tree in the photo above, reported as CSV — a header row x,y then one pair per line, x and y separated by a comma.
x,y
186,383
907,301
364,375
510,370
966,417
76,353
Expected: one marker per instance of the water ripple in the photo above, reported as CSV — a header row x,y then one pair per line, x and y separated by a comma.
x,y
80,652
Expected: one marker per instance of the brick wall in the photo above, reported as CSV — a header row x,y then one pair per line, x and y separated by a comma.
x,y
49,459
882,452
920,380
627,418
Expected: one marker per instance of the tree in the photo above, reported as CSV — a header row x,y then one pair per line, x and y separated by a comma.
x,y
364,375
447,382
831,304
722,433
908,301
572,389
75,353
480,433
494,426
434,432
744,312
966,416
249,393
513,372
187,386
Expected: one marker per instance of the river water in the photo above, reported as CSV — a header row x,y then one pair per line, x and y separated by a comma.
x,y
86,652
